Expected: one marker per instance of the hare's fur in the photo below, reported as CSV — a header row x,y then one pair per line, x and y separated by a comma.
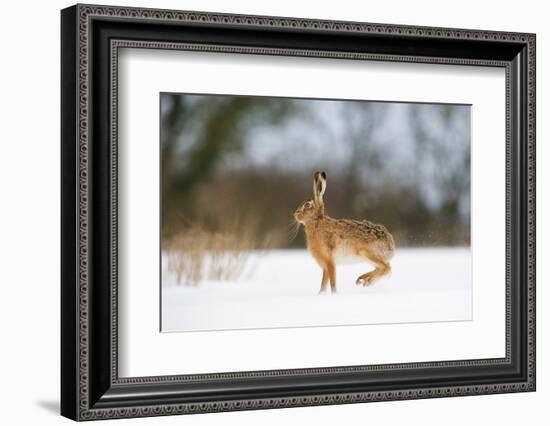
x,y
329,239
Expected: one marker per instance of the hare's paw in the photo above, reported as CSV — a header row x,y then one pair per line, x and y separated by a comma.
x,y
365,279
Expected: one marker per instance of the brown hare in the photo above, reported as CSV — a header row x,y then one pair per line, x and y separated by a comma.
x,y
330,239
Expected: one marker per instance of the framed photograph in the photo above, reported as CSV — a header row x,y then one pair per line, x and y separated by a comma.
x,y
263,212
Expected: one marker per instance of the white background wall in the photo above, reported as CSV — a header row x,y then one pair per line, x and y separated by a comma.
x,y
29,211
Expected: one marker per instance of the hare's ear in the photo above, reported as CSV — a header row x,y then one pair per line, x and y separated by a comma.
x,y
319,186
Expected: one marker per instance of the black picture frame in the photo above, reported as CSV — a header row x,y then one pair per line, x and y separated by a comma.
x,y
90,386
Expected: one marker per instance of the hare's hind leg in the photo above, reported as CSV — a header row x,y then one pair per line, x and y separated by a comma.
x,y
382,268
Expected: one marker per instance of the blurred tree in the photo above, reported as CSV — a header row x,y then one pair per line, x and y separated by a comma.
x,y
199,131
442,160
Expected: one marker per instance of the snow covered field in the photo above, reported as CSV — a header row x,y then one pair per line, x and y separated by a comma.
x,y
280,289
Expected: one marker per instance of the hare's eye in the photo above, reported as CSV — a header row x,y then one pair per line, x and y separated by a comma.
x,y
307,205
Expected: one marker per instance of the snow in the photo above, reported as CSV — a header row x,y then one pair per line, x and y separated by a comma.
x,y
280,288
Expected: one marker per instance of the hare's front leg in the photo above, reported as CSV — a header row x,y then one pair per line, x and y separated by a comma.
x,y
329,274
331,268
324,281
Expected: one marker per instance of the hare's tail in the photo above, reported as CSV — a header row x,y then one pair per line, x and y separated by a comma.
x,y
389,250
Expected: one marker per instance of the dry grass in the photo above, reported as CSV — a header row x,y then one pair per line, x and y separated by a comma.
x,y
197,254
